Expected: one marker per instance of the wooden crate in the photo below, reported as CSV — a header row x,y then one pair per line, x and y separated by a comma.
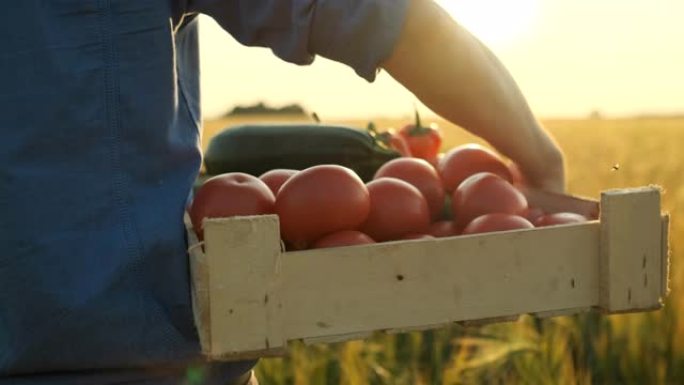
x,y
251,298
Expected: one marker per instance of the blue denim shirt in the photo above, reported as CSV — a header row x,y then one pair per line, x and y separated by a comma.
x,y
99,147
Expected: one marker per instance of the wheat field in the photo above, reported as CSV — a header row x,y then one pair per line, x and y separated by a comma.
x,y
645,348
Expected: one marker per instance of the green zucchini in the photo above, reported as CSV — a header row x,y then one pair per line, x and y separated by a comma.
x,y
257,148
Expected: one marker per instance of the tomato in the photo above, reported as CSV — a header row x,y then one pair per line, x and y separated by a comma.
x,y
390,139
321,200
533,213
485,193
274,179
342,238
496,222
441,229
423,142
231,194
414,236
420,174
562,218
399,144
463,161
397,209
434,162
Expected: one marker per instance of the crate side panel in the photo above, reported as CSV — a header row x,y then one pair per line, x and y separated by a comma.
x,y
414,283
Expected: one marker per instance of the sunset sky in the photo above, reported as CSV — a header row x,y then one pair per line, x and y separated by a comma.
x,y
621,57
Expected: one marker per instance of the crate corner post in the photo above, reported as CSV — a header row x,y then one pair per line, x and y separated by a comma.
x,y
632,256
243,257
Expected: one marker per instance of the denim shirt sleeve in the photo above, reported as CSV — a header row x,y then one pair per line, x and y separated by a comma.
x,y
359,33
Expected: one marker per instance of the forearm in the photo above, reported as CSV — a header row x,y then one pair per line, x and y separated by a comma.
x,y
461,80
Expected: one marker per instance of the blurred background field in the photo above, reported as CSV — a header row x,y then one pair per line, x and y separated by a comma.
x,y
646,348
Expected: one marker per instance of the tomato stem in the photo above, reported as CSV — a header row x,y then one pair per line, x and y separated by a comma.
x,y
418,129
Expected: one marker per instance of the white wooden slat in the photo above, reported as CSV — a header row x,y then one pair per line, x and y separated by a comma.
x,y
199,274
631,249
244,259
665,264
554,203
407,284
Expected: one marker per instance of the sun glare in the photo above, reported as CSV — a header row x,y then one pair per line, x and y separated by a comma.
x,y
496,22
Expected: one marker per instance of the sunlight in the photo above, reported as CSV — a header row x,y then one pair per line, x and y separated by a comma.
x,y
496,22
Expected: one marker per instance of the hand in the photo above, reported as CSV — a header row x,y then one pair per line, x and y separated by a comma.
x,y
547,173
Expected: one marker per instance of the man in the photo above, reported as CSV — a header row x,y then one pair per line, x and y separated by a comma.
x,y
99,112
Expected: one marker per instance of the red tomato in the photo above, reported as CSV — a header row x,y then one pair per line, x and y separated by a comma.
x,y
397,209
463,161
485,193
412,236
496,222
230,194
533,213
423,142
441,229
393,140
399,144
343,238
434,162
274,179
559,219
321,200
421,175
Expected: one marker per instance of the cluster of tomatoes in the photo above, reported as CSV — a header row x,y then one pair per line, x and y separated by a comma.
x,y
468,190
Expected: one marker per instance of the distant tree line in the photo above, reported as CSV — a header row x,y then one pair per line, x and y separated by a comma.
x,y
262,109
